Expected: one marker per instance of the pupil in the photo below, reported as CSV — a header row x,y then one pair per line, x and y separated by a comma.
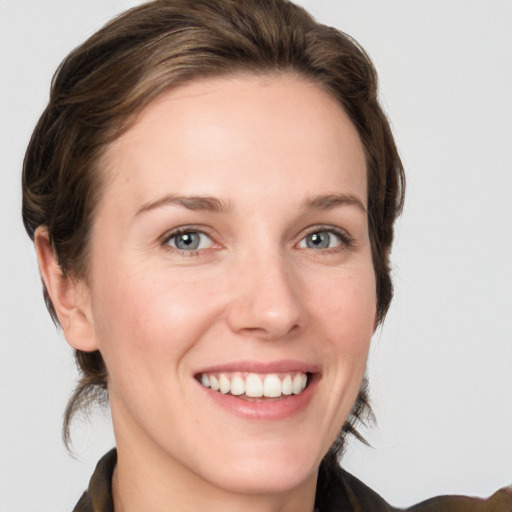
x,y
188,241
319,240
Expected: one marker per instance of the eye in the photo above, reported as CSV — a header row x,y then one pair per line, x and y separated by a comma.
x,y
189,240
323,239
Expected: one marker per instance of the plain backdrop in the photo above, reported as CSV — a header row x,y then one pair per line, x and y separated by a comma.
x,y
440,368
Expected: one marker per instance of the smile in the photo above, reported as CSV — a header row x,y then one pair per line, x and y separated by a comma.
x,y
255,385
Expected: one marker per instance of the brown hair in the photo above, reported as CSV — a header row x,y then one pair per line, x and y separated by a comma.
x,y
105,82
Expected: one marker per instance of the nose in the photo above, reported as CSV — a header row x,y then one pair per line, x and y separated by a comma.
x,y
267,302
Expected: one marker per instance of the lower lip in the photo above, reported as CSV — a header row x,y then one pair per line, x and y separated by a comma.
x,y
266,410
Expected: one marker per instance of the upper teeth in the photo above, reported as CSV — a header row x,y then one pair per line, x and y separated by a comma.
x,y
254,385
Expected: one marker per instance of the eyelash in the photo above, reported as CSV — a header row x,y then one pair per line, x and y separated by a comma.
x,y
182,231
346,241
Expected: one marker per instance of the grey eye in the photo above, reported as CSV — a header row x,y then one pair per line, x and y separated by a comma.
x,y
190,241
320,240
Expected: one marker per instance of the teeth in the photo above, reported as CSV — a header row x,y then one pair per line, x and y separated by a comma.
x,y
272,386
255,385
214,383
224,384
299,383
287,385
237,385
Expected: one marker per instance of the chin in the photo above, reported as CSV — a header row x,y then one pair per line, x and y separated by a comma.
x,y
263,480
273,471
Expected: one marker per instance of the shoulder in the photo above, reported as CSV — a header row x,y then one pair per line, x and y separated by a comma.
x,y
98,497
364,499
337,491
501,501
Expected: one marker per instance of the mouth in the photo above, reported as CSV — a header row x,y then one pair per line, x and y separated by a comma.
x,y
256,386
262,391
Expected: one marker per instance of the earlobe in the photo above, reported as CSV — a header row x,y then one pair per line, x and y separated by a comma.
x,y
70,297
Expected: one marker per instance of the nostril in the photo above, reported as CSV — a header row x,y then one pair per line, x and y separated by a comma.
x,y
270,333
266,305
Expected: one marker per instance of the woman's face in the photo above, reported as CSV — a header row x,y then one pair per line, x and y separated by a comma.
x,y
230,248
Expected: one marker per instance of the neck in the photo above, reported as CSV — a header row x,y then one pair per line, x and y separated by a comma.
x,y
143,486
146,478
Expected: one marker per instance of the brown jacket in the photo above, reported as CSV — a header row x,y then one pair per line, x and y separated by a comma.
x,y
354,496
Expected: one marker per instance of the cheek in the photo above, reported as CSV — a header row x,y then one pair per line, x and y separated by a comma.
x,y
346,312
149,317
347,307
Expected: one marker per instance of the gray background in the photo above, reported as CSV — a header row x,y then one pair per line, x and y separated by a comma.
x,y
440,369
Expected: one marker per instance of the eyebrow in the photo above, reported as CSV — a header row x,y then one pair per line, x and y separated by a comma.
x,y
213,204
201,203
330,201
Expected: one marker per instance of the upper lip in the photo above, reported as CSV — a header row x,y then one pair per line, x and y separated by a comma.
x,y
281,366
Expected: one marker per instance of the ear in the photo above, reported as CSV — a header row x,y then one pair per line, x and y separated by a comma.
x,y
70,297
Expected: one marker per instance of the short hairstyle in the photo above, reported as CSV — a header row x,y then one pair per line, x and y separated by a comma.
x,y
103,84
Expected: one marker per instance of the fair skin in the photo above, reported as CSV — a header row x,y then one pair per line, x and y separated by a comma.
x,y
269,276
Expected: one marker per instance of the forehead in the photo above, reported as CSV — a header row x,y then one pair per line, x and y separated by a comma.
x,y
242,130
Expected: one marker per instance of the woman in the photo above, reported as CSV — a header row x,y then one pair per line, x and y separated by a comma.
x,y
211,191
